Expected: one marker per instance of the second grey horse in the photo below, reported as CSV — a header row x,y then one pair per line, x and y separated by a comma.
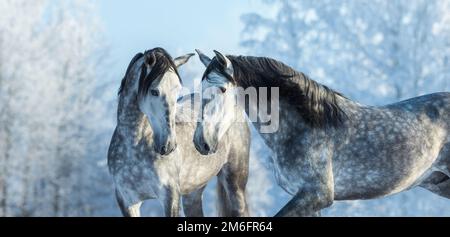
x,y
329,147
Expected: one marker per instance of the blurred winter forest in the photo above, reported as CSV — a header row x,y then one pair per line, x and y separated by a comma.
x,y
58,95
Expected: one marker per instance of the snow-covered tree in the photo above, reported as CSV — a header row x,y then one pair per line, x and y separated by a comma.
x,y
373,51
49,115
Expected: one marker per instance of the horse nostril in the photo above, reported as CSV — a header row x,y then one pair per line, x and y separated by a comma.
x,y
206,147
163,149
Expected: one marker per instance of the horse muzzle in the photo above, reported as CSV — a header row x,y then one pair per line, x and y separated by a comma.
x,y
166,149
205,148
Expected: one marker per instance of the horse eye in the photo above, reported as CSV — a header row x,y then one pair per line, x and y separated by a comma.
x,y
154,92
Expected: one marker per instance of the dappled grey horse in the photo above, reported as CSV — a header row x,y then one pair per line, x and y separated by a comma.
x,y
329,147
151,154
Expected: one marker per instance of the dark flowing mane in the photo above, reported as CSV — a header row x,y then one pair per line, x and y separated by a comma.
x,y
316,103
163,63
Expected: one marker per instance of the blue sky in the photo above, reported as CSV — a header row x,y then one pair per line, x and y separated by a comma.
x,y
180,26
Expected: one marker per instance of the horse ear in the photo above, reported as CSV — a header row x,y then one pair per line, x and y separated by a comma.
x,y
222,59
149,59
182,59
203,58
225,62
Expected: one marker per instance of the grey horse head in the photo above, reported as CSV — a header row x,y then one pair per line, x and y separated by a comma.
x,y
218,104
157,88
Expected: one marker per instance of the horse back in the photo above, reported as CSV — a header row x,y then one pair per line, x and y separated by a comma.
x,y
433,107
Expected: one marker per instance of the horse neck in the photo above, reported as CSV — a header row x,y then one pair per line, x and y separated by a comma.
x,y
290,117
129,114
284,112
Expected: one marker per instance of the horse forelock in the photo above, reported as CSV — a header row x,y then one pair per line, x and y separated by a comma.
x,y
163,63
